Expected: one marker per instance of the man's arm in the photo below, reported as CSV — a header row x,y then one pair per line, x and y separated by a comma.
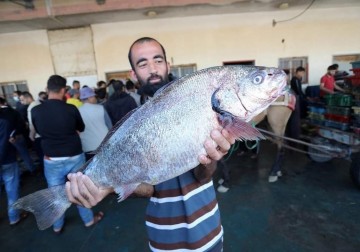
x,y
82,191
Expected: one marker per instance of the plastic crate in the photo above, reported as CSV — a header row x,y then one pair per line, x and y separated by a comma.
x,y
336,125
342,100
356,103
344,111
316,116
353,80
356,130
337,118
356,110
356,71
317,122
355,64
318,110
356,119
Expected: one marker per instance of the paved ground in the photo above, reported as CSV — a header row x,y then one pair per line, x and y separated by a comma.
x,y
313,207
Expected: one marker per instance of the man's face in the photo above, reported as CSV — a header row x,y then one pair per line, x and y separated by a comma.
x,y
301,74
332,72
149,63
24,100
76,85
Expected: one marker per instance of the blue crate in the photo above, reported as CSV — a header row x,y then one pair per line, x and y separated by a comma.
x,y
336,125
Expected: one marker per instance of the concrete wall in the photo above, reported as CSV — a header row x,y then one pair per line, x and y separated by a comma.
x,y
204,40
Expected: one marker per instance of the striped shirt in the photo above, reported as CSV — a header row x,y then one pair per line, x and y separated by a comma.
x,y
183,215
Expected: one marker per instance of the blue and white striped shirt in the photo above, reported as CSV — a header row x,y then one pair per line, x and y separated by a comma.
x,y
183,215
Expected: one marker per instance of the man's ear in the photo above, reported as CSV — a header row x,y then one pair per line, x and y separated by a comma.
x,y
133,75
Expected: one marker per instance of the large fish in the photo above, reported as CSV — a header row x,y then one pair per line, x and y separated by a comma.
x,y
165,136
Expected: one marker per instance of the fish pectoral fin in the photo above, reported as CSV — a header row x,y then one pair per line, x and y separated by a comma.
x,y
125,191
240,129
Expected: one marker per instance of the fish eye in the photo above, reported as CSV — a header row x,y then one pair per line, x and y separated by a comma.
x,y
258,79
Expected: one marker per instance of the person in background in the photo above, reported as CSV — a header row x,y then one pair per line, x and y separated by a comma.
x,y
67,94
42,96
183,213
74,98
76,84
327,82
9,169
339,74
130,88
119,103
27,98
21,135
21,108
296,86
58,123
101,93
97,122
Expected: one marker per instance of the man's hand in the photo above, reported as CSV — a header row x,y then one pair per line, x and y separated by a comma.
x,y
216,148
82,191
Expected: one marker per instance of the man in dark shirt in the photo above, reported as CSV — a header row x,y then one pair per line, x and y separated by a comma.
x,y
59,125
9,169
119,103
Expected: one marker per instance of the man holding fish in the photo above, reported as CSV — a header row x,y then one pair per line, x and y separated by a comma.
x,y
167,149
184,208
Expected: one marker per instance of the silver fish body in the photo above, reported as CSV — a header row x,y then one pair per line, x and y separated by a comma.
x,y
165,136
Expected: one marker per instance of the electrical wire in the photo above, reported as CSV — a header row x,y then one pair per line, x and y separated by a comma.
x,y
286,20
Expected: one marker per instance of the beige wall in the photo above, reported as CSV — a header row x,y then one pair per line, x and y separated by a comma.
x,y
204,40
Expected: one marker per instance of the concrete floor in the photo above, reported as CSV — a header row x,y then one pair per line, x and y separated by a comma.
x,y
313,207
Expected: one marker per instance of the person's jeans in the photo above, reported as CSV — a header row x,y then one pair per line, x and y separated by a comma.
x,y
21,147
55,174
9,174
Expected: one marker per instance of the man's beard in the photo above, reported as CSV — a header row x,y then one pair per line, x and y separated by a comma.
x,y
149,88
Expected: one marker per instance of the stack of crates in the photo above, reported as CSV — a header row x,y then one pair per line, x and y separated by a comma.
x,y
316,114
338,111
354,80
356,120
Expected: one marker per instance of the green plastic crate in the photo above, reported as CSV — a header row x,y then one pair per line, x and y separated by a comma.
x,y
341,100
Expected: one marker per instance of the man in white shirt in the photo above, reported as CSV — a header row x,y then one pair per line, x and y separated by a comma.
x,y
96,119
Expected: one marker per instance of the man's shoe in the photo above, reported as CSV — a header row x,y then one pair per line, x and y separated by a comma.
x,y
222,189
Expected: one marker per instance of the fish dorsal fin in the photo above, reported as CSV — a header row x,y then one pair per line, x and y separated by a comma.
x,y
240,129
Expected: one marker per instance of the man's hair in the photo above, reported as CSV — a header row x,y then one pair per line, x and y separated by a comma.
x,y
117,85
332,67
76,81
336,66
300,69
2,101
100,83
42,93
56,83
142,40
26,94
130,84
18,92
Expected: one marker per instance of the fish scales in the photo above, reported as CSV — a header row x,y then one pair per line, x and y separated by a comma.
x,y
165,136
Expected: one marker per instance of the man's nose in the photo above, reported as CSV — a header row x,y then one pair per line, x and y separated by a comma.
x,y
152,68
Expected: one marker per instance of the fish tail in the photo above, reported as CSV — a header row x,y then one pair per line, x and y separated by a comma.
x,y
47,205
